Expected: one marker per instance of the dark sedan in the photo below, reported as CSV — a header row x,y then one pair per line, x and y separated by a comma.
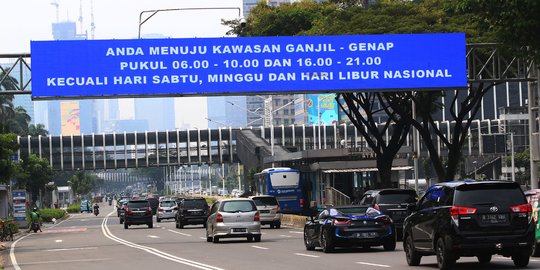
x,y
349,226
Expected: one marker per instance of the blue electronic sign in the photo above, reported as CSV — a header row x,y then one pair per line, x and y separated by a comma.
x,y
232,66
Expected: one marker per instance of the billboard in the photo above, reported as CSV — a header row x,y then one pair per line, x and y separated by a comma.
x,y
70,118
246,65
322,109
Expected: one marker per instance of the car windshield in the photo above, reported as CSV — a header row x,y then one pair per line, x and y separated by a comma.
x,y
238,206
167,204
137,204
354,211
498,195
263,201
396,198
199,203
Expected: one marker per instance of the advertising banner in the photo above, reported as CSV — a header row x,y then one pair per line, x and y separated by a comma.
x,y
70,118
322,109
246,65
19,206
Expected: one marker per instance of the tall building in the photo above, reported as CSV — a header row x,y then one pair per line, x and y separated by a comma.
x,y
230,111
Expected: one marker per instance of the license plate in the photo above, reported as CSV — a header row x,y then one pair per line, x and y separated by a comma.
x,y
264,211
168,211
493,218
239,230
366,235
196,213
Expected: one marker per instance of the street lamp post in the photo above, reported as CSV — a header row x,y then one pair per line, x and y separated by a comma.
x,y
156,11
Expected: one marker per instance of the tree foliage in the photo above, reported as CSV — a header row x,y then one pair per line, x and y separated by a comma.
x,y
513,23
8,147
33,173
82,183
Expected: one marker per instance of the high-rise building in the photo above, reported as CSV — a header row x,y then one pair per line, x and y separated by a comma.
x,y
228,111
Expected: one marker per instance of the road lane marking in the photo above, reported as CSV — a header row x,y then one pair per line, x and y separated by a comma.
x,y
58,241
70,249
296,232
259,247
506,258
287,236
307,255
66,261
153,236
203,238
374,264
64,230
12,253
184,234
105,230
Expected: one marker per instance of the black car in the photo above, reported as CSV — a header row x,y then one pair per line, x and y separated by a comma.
x,y
154,204
396,203
467,219
192,211
138,212
349,226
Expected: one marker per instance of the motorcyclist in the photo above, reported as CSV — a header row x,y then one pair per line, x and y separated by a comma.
x,y
35,217
96,208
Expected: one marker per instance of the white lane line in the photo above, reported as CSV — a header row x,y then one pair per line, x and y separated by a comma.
x,y
505,258
282,235
259,247
12,253
184,234
296,232
66,261
105,230
374,264
307,255
203,238
58,241
70,249
153,236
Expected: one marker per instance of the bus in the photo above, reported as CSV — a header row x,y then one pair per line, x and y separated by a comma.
x,y
285,184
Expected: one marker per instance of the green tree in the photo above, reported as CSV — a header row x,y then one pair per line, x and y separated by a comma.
x,y
82,183
8,147
33,174
37,129
513,23
6,100
18,124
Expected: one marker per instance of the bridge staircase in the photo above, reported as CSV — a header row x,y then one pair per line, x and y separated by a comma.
x,y
251,149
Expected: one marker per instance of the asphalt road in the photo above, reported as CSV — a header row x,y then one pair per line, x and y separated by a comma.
x,y
85,242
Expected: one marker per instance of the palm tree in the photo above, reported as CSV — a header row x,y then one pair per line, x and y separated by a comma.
x,y
6,100
20,121
37,129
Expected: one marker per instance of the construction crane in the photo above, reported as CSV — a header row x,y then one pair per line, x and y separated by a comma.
x,y
80,16
92,25
57,6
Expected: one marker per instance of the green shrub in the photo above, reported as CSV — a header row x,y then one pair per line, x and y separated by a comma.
x,y
47,214
14,226
74,208
211,200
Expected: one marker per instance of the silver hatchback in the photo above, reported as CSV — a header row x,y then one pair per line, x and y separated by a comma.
x,y
268,207
233,218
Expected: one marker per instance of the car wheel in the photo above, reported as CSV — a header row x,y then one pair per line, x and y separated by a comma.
x,y
250,238
445,259
125,225
180,225
215,239
278,225
271,225
326,241
121,221
257,238
412,256
390,245
308,243
521,259
176,225
158,220
484,258
204,225
536,250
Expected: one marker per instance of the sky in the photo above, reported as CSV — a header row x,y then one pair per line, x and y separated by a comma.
x,y
26,20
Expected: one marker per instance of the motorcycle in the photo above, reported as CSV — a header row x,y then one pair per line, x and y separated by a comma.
x,y
35,226
96,211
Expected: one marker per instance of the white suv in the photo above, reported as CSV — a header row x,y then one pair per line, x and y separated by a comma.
x,y
268,206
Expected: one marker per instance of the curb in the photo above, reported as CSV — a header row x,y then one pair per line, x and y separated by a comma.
x,y
294,220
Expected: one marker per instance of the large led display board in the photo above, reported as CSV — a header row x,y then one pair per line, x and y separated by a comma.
x,y
231,66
